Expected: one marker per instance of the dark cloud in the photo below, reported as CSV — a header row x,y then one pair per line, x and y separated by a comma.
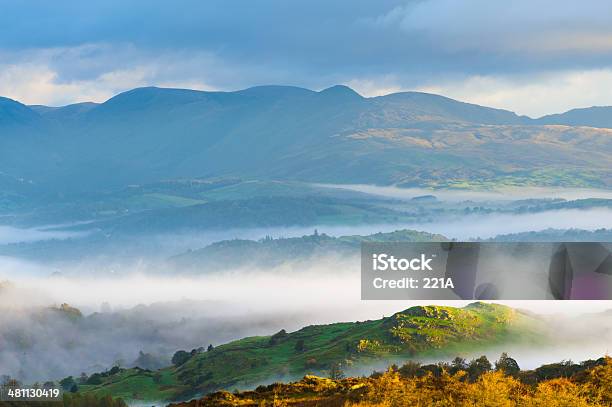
x,y
230,44
356,36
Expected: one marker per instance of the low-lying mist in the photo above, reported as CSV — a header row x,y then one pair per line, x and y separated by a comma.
x,y
458,195
528,357
9,234
84,257
38,344
488,226
121,306
123,315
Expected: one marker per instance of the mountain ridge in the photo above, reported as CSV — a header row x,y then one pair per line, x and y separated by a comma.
x,y
335,89
282,132
594,116
13,112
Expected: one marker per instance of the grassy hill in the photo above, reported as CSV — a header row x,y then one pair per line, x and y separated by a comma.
x,y
418,332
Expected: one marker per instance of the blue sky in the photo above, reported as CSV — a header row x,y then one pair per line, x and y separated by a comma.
x,y
532,57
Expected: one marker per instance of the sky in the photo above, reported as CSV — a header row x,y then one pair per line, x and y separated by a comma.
x,y
531,57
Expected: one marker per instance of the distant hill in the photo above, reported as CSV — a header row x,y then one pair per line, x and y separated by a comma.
x,y
418,332
63,112
14,114
596,116
280,132
272,252
425,106
557,235
248,213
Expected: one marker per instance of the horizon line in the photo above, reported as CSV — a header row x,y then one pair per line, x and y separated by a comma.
x,y
296,87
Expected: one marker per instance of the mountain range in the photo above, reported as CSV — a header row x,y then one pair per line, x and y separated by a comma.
x,y
282,132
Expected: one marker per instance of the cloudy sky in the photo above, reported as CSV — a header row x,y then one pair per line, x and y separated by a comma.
x,y
532,57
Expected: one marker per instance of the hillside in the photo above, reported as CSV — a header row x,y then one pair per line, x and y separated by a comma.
x,y
417,332
254,212
14,114
596,116
277,132
478,383
272,252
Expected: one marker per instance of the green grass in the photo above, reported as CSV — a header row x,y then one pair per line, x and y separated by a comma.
x,y
415,333
137,384
255,188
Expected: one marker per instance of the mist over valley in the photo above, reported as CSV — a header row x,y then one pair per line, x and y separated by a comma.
x,y
122,245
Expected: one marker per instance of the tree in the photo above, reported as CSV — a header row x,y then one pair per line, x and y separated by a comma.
x,y
180,357
458,364
67,383
210,348
278,337
114,370
95,379
496,389
148,361
299,346
336,372
434,368
8,381
48,385
410,369
507,365
478,367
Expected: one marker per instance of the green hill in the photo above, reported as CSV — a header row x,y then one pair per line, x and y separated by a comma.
x,y
418,332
